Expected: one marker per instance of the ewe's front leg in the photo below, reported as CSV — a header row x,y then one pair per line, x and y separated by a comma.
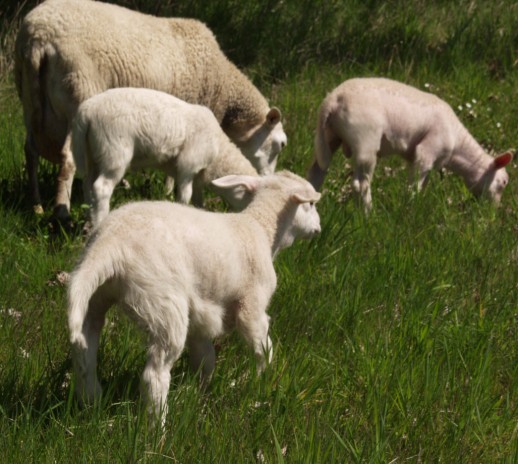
x,y
32,162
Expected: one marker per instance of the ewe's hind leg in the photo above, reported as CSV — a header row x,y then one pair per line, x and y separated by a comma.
x,y
202,357
84,350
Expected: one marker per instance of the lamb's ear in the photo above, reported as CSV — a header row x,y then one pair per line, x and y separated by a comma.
x,y
249,183
305,196
501,161
273,117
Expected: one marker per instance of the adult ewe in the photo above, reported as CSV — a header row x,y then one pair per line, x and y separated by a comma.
x,y
186,276
70,50
371,117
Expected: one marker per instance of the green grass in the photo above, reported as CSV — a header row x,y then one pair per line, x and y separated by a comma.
x,y
395,336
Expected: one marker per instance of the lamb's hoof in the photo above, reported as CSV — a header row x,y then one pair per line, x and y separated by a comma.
x,y
38,209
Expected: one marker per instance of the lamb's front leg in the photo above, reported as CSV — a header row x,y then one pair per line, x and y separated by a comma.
x,y
418,176
253,323
183,189
202,357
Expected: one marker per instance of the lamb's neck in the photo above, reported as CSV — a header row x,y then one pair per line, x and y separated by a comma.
x,y
229,161
273,215
469,160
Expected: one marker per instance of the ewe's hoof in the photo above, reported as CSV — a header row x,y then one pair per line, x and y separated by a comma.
x,y
38,209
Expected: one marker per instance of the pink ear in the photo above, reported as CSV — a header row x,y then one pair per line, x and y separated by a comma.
x,y
503,160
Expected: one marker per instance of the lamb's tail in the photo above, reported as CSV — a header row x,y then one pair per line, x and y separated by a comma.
x,y
323,154
95,267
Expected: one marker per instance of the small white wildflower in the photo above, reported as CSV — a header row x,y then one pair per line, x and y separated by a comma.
x,y
427,85
468,105
260,456
459,107
474,101
499,125
66,381
24,353
11,312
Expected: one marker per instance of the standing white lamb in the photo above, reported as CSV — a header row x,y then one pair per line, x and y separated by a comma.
x,y
371,117
69,50
129,128
186,276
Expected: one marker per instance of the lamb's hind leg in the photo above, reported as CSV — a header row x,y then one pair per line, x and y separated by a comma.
x,y
363,171
157,378
102,190
84,351
65,179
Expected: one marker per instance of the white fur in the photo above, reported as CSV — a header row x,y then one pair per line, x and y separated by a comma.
x,y
371,117
127,128
69,50
186,276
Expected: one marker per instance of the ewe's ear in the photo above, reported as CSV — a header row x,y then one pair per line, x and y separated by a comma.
x,y
249,183
274,116
305,196
503,160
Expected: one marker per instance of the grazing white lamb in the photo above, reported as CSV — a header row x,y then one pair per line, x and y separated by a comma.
x,y
69,50
371,117
128,128
186,276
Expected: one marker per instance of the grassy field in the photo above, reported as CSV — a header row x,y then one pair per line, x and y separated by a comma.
x,y
395,337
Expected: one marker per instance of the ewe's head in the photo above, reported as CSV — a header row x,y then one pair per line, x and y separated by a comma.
x,y
262,143
495,179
